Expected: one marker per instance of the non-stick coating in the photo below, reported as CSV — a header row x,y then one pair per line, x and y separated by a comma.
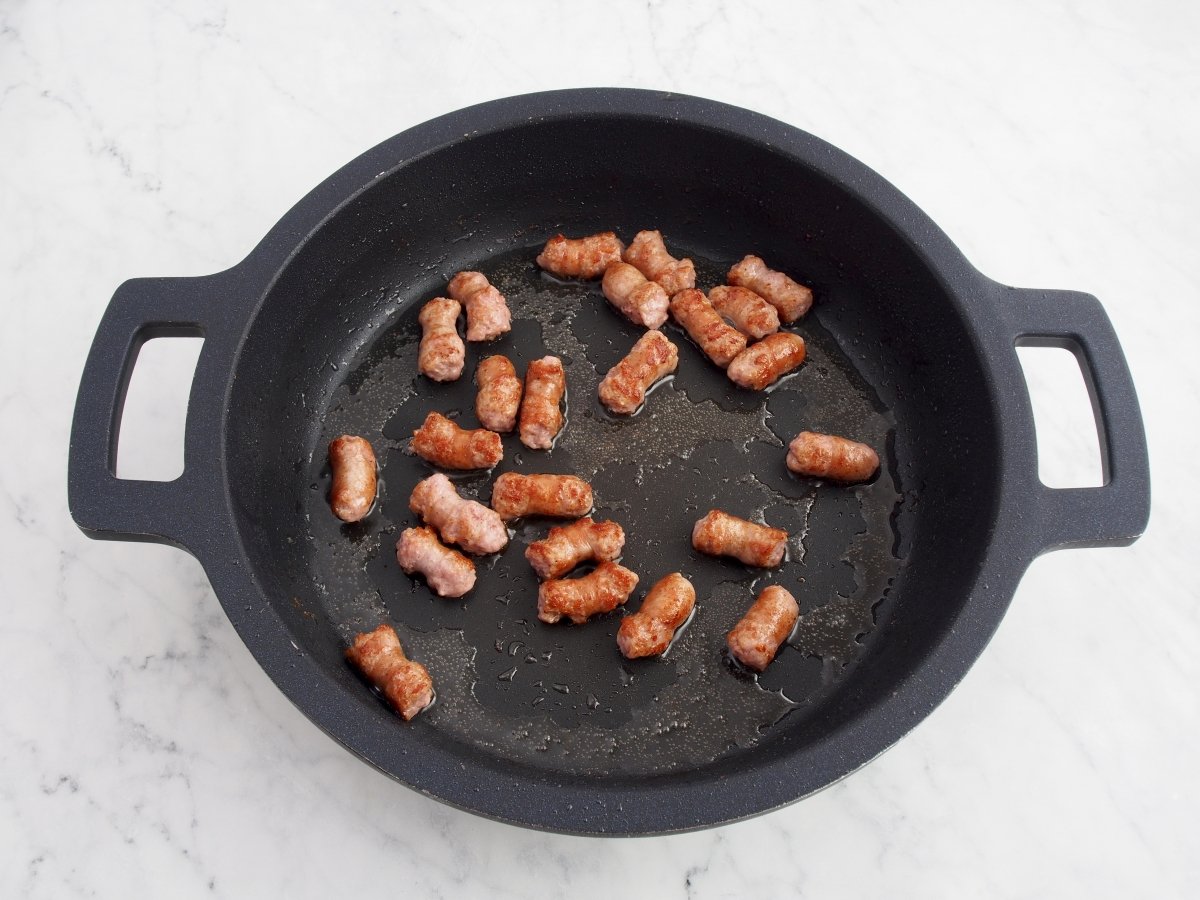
x,y
885,336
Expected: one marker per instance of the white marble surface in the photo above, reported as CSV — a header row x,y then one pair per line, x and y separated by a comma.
x,y
143,751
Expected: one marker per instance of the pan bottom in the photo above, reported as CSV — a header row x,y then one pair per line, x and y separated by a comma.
x,y
561,698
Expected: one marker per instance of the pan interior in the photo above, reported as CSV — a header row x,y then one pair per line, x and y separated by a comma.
x,y
334,351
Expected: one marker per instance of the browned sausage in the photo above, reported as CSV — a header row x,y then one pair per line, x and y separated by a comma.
x,y
649,254
442,352
586,257
488,315
442,442
765,362
499,395
449,573
650,630
641,301
600,591
790,299
561,496
541,418
718,341
756,639
352,493
379,656
467,523
750,314
624,388
566,546
720,534
832,457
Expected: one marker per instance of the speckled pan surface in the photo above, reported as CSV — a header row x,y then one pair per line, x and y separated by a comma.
x,y
900,581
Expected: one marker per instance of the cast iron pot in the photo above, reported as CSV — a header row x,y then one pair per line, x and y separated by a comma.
x,y
930,339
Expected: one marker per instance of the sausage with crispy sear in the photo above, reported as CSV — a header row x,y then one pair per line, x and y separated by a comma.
x,y
600,591
566,546
650,630
716,339
767,361
649,254
750,314
624,388
561,496
585,257
442,442
756,639
406,684
541,417
720,534
832,457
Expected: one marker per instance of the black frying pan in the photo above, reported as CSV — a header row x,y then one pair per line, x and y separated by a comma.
x,y
901,581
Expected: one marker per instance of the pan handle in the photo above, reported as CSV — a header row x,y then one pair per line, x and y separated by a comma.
x,y
1114,514
111,508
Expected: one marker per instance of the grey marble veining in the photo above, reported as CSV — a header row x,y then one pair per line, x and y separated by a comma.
x,y
144,753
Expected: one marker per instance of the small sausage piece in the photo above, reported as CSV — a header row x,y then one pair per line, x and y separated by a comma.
x,y
600,591
352,493
624,388
832,457
541,418
790,299
448,572
488,315
770,359
649,254
718,341
650,630
750,314
561,496
499,395
586,257
442,351
467,523
642,302
566,546
379,656
756,639
720,534
442,442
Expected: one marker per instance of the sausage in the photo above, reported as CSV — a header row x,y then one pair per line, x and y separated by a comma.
x,y
566,546
624,388
601,590
832,457
750,314
641,301
756,639
499,395
790,299
718,340
379,656
442,352
650,630
467,523
771,358
541,418
488,315
562,496
448,572
586,257
649,254
442,442
352,493
720,534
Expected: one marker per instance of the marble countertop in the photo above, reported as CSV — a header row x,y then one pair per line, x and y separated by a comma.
x,y
145,753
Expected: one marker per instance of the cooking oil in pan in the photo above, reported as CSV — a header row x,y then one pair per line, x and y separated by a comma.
x,y
561,696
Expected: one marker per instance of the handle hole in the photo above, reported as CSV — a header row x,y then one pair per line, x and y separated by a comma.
x,y
150,443
1068,437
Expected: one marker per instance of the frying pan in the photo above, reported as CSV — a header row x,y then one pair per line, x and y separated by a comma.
x,y
901,581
